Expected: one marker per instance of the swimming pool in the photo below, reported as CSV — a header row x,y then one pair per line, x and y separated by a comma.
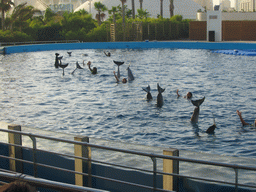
x,y
35,94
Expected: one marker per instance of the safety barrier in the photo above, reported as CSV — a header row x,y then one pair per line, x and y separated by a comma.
x,y
131,45
37,182
83,159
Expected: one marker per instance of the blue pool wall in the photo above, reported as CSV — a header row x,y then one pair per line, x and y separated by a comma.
x,y
131,45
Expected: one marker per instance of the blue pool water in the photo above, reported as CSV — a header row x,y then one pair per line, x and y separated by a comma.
x,y
35,94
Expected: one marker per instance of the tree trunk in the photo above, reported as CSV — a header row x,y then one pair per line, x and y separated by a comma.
x,y
171,8
133,10
2,19
161,8
141,1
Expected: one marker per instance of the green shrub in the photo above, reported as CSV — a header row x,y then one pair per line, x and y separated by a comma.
x,y
16,36
98,34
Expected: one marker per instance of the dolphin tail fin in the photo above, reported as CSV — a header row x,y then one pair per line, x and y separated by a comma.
x,y
147,89
118,62
198,102
160,90
78,66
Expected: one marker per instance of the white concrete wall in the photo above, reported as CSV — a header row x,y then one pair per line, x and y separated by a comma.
x,y
214,23
226,16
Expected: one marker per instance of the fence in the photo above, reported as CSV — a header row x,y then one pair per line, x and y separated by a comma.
x,y
140,31
84,173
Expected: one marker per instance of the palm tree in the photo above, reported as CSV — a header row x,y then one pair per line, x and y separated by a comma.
x,y
141,1
5,6
143,13
123,12
100,8
133,10
21,14
161,8
171,8
113,11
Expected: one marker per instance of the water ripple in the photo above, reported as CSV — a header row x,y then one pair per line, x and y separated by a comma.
x,y
38,95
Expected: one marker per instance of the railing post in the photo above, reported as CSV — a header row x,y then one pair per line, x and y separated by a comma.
x,y
236,179
170,166
154,172
34,155
81,165
15,152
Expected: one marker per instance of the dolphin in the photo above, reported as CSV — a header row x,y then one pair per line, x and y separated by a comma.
x,y
160,101
149,96
77,67
130,75
197,103
118,63
69,53
56,60
63,66
211,129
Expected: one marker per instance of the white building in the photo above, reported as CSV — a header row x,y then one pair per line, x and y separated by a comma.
x,y
56,5
225,5
39,4
248,5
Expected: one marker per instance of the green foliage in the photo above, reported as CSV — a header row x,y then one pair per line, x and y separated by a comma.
x,y
17,36
81,26
20,15
142,14
49,14
49,33
176,18
98,34
74,22
101,8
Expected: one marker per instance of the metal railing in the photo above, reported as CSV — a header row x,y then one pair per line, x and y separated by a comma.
x,y
152,156
38,182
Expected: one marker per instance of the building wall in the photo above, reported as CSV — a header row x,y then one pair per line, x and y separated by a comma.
x,y
197,30
235,16
231,30
235,30
247,5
